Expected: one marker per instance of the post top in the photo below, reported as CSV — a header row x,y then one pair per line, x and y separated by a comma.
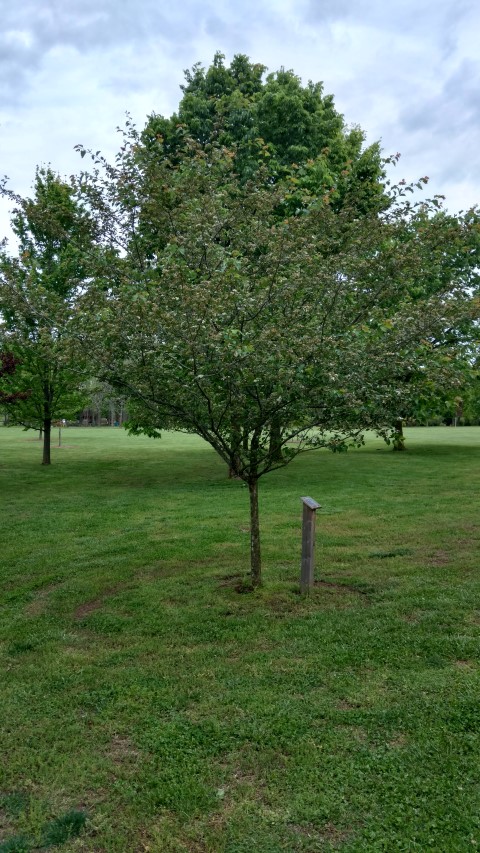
x,y
311,503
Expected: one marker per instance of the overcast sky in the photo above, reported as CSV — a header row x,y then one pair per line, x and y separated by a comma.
x,y
406,71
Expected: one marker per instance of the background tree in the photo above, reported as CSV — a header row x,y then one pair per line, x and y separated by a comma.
x,y
102,403
447,250
272,118
39,287
236,317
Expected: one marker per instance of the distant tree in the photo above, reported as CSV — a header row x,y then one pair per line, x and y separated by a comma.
x,y
217,316
448,254
103,402
39,288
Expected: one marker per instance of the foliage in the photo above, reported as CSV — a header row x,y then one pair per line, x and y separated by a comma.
x,y
274,120
219,317
8,367
39,287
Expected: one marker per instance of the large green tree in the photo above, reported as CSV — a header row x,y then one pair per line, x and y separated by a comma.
x,y
218,316
274,123
295,135
40,284
275,119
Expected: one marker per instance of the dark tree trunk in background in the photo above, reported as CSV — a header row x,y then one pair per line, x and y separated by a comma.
x,y
399,438
275,448
47,429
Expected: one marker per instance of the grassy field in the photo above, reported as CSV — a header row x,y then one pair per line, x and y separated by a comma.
x,y
147,704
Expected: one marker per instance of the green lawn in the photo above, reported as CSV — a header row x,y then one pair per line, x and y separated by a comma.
x,y
142,690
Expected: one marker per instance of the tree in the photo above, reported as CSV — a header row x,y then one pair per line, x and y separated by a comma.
x,y
272,118
447,266
275,123
219,317
39,287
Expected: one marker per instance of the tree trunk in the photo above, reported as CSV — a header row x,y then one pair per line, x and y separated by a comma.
x,y
235,465
47,428
399,438
275,444
40,433
255,555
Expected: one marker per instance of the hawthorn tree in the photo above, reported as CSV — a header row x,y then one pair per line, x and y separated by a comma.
x,y
274,122
291,131
39,286
217,316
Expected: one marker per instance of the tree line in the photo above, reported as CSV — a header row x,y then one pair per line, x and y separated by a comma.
x,y
244,270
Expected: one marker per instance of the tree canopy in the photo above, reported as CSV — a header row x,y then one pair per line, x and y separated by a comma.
x,y
272,119
39,286
218,316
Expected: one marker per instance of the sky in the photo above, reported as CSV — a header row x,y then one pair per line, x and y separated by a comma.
x,y
406,71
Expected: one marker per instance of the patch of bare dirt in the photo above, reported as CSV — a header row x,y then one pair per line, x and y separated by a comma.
x,y
88,607
37,606
398,741
122,750
239,582
344,705
412,618
439,558
96,603
465,664
328,833
358,733
230,580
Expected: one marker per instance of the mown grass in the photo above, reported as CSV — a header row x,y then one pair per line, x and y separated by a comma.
x,y
148,705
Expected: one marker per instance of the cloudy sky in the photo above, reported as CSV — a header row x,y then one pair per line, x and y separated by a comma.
x,y
406,71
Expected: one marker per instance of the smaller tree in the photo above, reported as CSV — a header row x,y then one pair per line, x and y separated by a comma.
x,y
39,287
217,316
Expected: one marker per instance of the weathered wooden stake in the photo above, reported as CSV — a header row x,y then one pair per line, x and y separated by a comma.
x,y
308,544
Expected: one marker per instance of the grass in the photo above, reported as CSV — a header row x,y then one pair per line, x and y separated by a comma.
x,y
148,705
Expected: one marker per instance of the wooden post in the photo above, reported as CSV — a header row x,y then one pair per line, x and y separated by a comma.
x,y
308,544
